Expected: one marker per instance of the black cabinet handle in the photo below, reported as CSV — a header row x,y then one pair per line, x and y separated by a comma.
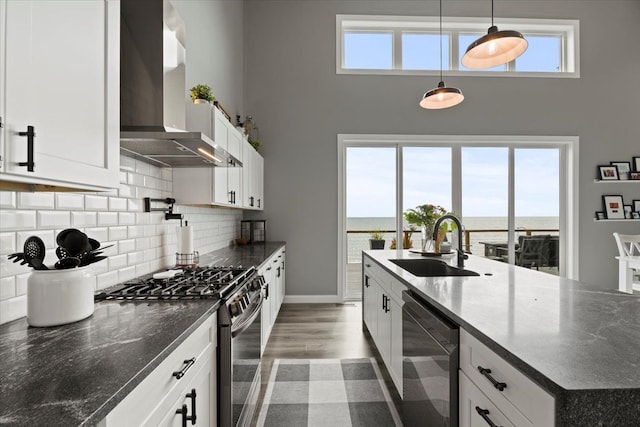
x,y
187,364
487,373
192,396
367,265
258,202
278,272
366,281
30,134
266,291
484,413
251,201
385,305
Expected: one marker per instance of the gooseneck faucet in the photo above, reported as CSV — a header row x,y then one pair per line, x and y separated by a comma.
x,y
461,254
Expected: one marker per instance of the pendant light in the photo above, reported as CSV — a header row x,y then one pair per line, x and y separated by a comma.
x,y
442,96
495,48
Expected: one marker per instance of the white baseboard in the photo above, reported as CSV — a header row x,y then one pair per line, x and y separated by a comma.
x,y
313,299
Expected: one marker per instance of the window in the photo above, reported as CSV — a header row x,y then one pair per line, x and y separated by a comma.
x,y
411,46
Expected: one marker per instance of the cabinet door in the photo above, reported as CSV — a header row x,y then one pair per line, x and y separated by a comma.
x,y
384,328
61,76
396,344
247,176
258,181
473,402
201,390
369,306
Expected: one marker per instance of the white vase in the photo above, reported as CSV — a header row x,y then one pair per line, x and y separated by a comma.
x,y
58,297
200,101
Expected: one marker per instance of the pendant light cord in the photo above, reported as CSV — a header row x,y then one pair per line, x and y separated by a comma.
x,y
492,13
440,40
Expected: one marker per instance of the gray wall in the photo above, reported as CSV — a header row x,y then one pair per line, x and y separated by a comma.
x,y
214,48
300,104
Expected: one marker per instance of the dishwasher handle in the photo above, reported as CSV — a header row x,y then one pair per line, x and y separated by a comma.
x,y
441,329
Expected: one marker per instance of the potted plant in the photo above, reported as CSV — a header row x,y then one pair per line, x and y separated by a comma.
x,y
376,241
255,143
425,217
201,94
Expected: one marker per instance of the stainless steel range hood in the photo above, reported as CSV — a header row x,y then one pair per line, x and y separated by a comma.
x,y
153,93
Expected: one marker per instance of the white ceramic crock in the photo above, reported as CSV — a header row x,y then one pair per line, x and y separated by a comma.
x,y
58,297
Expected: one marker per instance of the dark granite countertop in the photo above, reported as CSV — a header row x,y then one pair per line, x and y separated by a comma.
x,y
76,374
580,343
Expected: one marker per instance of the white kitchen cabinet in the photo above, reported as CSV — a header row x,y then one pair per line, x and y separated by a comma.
x,y
252,178
476,409
382,313
520,399
157,398
217,185
273,272
59,73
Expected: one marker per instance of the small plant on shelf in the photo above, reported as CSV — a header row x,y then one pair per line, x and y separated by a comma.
x,y
255,144
202,92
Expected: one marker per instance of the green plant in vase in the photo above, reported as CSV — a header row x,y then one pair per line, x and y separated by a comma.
x,y
376,240
425,217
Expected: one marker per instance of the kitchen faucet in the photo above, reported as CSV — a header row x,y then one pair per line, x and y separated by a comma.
x,y
461,255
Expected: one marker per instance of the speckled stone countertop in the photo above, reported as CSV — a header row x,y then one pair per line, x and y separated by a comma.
x,y
75,374
580,343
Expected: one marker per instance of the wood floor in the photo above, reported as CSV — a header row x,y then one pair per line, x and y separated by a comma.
x,y
315,331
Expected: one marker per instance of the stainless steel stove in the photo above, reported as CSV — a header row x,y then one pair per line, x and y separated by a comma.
x,y
193,283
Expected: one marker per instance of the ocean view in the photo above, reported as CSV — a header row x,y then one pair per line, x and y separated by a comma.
x,y
358,241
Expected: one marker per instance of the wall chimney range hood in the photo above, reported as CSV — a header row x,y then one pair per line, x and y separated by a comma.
x,y
153,92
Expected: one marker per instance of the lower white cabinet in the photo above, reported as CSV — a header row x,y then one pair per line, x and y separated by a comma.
x,y
186,377
511,393
476,409
272,270
382,313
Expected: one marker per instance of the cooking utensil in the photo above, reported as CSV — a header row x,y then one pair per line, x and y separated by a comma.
x,y
61,253
74,241
68,262
92,260
94,244
17,257
34,252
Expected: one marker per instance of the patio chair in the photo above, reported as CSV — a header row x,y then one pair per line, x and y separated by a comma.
x,y
533,251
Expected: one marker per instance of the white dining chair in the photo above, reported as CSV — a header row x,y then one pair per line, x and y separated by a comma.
x,y
628,261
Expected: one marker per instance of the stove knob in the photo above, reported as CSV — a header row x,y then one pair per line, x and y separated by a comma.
x,y
242,302
246,300
235,308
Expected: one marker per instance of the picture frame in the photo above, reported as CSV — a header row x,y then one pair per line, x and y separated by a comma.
x,y
627,211
636,164
608,173
635,215
635,205
600,215
613,206
634,176
624,168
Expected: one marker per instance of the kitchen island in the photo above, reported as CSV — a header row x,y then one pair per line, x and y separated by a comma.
x,y
76,374
579,343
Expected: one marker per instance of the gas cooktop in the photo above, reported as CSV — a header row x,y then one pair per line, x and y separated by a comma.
x,y
192,283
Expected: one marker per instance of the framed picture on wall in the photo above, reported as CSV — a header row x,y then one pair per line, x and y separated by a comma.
x,y
608,173
627,211
635,205
624,168
600,215
636,164
613,206
635,215
634,175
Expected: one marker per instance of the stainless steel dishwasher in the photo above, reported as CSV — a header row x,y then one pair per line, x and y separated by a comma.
x,y
429,365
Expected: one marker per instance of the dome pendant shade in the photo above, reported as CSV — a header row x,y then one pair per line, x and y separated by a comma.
x,y
442,97
495,48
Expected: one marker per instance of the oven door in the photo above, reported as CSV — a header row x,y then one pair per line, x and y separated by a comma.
x,y
239,365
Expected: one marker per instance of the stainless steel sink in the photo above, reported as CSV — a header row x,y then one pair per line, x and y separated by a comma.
x,y
426,267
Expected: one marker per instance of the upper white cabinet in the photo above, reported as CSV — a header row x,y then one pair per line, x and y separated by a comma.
x,y
252,178
59,75
240,187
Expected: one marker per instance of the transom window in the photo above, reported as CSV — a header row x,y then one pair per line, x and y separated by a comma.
x,y
411,45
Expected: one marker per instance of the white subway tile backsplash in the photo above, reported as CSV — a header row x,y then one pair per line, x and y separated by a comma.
x,y
107,218
117,204
17,220
117,233
53,219
127,273
7,243
126,218
84,219
8,199
101,234
143,242
69,201
36,200
117,261
7,287
123,177
125,246
96,203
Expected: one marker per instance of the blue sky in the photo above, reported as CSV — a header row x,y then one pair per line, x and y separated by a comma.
x,y
427,179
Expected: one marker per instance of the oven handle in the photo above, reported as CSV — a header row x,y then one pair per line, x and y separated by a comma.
x,y
247,321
